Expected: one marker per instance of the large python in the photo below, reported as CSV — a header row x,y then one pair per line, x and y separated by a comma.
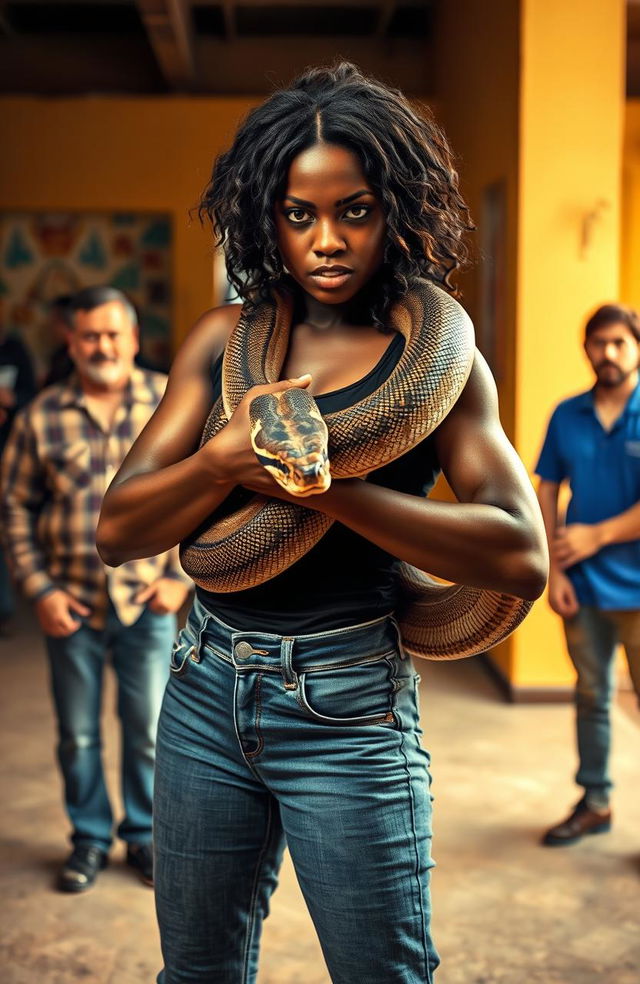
x,y
265,536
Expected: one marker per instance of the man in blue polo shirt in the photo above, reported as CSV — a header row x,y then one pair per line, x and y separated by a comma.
x,y
593,443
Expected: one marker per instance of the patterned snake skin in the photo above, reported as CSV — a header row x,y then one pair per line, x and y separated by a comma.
x,y
265,536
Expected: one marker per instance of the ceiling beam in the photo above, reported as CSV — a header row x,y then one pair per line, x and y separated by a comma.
x,y
291,3
168,25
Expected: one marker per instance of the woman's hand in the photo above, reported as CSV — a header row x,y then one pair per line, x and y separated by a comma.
x,y
231,453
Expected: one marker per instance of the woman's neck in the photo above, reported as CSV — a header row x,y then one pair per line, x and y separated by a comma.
x,y
323,317
333,317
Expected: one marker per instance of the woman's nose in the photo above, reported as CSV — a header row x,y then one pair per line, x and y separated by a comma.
x,y
328,240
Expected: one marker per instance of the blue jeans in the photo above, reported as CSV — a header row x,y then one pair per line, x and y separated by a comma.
x,y
7,604
592,637
313,739
140,656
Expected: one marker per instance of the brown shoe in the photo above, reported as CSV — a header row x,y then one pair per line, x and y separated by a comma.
x,y
582,821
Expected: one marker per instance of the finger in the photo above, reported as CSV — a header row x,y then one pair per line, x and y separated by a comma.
x,y
158,607
78,607
67,626
145,594
564,549
283,384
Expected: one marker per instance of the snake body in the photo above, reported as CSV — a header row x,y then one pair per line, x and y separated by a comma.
x,y
266,536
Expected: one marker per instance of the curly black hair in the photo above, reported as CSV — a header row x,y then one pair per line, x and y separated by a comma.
x,y
404,155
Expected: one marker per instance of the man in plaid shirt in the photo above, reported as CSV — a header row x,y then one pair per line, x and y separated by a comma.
x,y
63,451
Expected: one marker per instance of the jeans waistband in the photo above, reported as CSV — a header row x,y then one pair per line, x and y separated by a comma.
x,y
267,651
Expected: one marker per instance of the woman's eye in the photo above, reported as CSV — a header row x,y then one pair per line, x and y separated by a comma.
x,y
357,212
297,215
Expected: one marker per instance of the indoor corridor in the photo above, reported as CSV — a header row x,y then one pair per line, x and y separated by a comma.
x,y
507,911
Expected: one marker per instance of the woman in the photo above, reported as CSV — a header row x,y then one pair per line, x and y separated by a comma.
x,y
291,711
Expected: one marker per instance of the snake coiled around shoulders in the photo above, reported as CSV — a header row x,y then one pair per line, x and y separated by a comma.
x,y
266,536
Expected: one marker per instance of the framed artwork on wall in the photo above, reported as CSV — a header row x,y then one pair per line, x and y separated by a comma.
x,y
46,255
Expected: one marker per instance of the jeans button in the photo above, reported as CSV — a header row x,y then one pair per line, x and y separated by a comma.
x,y
243,650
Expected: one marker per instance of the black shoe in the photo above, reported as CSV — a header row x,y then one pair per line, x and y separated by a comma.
x,y
140,857
81,868
580,822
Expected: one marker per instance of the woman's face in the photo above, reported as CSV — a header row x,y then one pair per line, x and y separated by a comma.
x,y
330,224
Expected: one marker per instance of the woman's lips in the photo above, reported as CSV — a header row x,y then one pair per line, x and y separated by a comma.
x,y
330,280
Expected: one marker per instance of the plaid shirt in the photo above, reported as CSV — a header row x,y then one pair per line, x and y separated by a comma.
x,y
56,468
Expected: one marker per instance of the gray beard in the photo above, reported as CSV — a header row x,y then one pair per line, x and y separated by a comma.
x,y
103,373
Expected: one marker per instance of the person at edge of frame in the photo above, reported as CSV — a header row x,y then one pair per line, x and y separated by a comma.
x,y
337,191
17,387
64,449
593,444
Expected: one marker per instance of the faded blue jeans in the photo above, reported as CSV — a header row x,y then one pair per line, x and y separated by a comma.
x,y
313,740
592,637
140,655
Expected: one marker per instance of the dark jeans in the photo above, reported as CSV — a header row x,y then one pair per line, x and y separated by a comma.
x,y
592,638
310,739
140,655
7,604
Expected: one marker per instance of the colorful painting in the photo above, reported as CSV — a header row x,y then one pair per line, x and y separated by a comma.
x,y
46,255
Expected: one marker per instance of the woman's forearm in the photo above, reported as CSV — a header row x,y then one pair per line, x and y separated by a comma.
x,y
149,513
472,543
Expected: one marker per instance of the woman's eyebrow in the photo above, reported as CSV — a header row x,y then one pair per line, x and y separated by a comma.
x,y
341,201
350,198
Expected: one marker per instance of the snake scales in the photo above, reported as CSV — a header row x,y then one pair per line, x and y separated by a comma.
x,y
265,536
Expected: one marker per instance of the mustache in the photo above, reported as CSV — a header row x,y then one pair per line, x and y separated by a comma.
x,y
100,359
607,365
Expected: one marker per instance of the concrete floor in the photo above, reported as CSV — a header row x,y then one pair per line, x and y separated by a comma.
x,y
507,911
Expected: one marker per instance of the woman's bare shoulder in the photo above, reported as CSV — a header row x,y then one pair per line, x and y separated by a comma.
x,y
209,335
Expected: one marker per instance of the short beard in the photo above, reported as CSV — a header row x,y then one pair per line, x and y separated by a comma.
x,y
96,372
611,382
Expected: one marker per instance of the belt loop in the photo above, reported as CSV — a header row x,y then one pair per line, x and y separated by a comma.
x,y
203,628
289,675
401,649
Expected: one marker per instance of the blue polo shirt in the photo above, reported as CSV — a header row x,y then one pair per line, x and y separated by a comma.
x,y
603,471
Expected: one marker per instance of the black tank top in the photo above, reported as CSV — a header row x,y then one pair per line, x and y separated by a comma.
x,y
344,579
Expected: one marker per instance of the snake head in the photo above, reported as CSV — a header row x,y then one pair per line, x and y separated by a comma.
x,y
291,440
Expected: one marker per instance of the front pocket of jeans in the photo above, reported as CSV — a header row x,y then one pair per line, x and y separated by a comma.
x,y
350,695
184,653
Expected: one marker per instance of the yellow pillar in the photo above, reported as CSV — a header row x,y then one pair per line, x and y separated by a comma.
x,y
630,243
568,258
532,98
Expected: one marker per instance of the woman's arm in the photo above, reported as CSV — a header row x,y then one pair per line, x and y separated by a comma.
x,y
167,485
492,538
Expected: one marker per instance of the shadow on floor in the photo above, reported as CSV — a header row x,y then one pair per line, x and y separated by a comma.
x,y
506,911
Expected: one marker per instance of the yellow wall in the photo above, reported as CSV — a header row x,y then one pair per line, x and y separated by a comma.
x,y
571,126
477,52
532,93
630,273
477,48
122,154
